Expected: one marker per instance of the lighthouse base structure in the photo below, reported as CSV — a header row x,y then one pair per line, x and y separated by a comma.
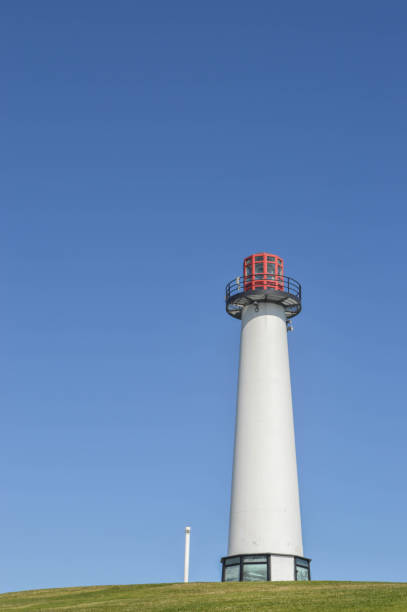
x,y
265,540
249,568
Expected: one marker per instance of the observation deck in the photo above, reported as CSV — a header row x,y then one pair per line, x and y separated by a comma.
x,y
256,288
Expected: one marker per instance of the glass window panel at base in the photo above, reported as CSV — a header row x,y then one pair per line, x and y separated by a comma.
x,y
254,572
232,561
255,559
301,573
232,573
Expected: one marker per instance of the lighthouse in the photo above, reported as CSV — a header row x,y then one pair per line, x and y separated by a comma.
x,y
265,539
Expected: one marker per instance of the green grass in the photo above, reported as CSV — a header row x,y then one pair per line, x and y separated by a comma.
x,y
206,596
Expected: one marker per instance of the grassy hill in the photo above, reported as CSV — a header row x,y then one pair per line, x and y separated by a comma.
x,y
204,596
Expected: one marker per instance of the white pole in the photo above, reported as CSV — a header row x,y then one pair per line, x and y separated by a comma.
x,y
186,564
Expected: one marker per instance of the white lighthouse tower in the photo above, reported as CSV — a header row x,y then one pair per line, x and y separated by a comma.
x,y
265,540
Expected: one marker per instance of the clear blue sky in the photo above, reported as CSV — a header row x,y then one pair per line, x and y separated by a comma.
x,y
146,148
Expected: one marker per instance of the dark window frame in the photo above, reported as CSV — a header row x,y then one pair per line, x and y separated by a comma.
x,y
306,564
245,560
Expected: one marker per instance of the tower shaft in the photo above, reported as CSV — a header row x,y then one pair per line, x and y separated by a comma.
x,y
265,509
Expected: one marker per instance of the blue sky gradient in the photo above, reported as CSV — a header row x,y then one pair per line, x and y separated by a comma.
x,y
147,148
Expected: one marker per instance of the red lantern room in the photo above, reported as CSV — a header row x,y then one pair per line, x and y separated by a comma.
x,y
263,281
263,271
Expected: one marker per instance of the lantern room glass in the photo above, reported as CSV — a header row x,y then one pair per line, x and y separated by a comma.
x,y
263,271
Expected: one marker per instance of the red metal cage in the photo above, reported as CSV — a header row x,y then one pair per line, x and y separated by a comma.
x,y
263,271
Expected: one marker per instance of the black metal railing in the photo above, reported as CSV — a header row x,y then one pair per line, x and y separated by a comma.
x,y
263,282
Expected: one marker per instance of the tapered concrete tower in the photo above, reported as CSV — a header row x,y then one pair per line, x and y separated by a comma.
x,y
265,540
